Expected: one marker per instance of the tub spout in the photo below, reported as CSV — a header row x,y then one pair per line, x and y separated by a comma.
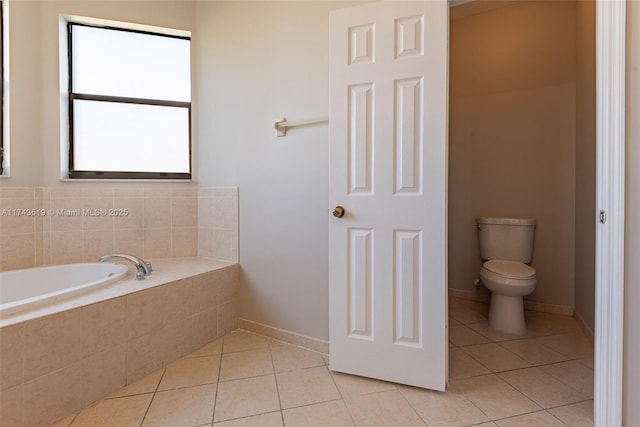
x,y
143,267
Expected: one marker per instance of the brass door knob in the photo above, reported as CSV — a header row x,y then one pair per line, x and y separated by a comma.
x,y
338,212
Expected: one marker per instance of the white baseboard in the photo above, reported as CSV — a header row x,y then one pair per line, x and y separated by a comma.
x,y
289,337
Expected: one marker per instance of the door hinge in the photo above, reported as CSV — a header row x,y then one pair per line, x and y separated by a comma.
x,y
603,217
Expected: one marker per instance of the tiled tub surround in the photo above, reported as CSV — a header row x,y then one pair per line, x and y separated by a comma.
x,y
59,359
159,223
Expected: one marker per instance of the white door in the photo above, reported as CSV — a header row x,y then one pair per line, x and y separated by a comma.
x,y
388,169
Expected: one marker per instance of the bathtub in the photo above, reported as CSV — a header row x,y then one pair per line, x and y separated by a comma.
x,y
65,355
26,289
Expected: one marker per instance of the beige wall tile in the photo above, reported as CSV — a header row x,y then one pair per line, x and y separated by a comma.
x,y
53,396
144,355
205,212
17,192
52,342
227,317
102,373
205,242
12,406
178,340
11,356
19,217
17,251
97,243
135,212
205,327
145,311
67,214
157,212
129,241
177,300
184,242
66,247
205,292
101,206
157,243
184,212
103,325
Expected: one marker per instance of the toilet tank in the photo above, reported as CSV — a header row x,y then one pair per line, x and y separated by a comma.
x,y
510,239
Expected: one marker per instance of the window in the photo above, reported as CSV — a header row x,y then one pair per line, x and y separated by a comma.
x,y
129,103
2,75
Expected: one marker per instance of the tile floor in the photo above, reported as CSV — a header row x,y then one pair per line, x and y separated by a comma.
x,y
544,378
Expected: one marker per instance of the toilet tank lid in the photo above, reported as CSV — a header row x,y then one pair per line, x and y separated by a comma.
x,y
506,221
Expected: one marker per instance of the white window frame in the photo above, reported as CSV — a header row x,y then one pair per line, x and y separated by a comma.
x,y
66,98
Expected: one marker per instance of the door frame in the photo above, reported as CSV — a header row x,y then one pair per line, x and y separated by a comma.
x,y
610,198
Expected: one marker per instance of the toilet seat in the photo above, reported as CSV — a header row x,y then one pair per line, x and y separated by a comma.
x,y
510,269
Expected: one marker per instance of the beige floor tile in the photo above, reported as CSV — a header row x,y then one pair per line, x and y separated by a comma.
x,y
245,364
533,352
461,365
353,385
489,424
573,374
246,397
485,330
272,419
122,412
453,322
327,414
495,358
543,389
65,422
190,372
536,419
588,362
242,340
289,357
190,406
496,398
306,387
385,409
325,357
148,384
572,345
449,409
550,324
576,415
210,349
469,314
461,335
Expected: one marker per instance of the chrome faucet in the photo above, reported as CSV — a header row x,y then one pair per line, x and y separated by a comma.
x,y
144,267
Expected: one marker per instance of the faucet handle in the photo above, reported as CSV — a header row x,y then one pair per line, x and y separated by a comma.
x,y
149,266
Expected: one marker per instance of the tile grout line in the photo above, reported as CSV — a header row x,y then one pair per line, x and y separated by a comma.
x,y
215,401
275,379
164,371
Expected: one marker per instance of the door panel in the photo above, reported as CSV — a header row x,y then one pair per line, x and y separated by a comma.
x,y
388,162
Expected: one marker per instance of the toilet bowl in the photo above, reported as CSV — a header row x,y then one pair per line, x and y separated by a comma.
x,y
508,282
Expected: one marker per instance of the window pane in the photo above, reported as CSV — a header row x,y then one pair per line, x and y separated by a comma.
x,y
128,64
119,137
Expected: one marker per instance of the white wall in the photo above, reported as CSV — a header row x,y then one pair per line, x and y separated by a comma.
x,y
631,409
258,62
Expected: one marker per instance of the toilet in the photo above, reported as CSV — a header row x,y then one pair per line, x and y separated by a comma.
x,y
506,245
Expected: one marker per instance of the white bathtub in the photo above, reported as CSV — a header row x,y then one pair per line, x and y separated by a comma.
x,y
35,287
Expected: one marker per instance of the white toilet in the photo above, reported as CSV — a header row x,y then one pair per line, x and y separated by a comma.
x,y
507,245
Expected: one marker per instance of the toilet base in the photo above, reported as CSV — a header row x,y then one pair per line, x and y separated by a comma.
x,y
506,314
